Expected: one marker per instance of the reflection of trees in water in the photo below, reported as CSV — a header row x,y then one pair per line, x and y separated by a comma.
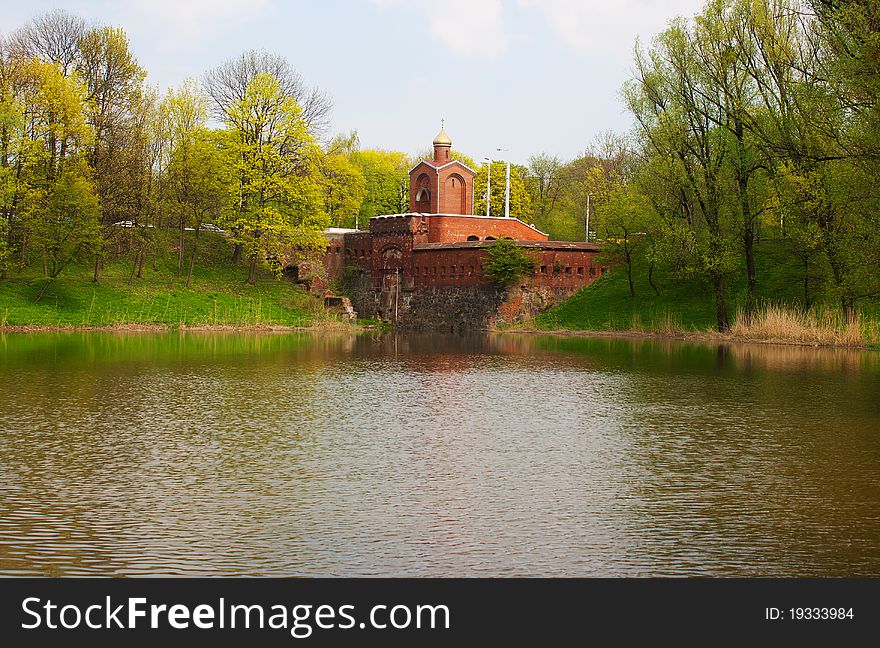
x,y
721,355
187,450
745,459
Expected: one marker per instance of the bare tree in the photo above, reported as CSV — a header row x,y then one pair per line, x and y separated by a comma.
x,y
227,83
53,36
545,173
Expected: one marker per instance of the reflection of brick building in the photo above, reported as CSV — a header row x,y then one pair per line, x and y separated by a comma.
x,y
403,259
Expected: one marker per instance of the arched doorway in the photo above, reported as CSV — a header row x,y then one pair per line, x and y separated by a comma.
x,y
423,201
391,263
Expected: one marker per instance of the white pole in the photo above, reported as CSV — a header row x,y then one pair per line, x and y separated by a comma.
x,y
506,187
488,187
588,217
507,193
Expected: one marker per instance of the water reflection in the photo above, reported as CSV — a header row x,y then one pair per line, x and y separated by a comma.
x,y
293,454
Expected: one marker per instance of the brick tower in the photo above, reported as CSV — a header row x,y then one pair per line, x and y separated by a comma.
x,y
441,185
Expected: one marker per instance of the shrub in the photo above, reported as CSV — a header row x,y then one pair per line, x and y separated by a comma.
x,y
507,261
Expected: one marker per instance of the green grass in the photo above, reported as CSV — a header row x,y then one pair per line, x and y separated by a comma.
x,y
218,295
686,303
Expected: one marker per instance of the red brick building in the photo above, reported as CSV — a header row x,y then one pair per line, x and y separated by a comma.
x,y
441,245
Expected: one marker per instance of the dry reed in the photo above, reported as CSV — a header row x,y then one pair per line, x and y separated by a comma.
x,y
778,323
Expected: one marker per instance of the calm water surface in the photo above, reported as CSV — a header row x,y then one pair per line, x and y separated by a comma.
x,y
428,455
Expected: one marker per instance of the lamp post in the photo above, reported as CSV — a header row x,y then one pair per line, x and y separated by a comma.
x,y
506,187
589,195
488,183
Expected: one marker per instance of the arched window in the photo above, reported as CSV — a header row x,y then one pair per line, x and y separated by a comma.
x,y
423,194
489,238
454,194
473,238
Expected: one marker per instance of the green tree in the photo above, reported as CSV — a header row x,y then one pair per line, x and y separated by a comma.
x,y
279,189
114,83
677,116
624,222
386,182
12,78
544,181
67,227
59,209
198,168
343,188
506,261
520,201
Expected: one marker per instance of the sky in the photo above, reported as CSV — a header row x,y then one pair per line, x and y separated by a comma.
x,y
529,76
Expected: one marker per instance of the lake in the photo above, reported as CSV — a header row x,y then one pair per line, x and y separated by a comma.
x,y
429,455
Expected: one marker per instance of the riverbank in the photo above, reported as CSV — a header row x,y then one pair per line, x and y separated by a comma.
x,y
331,326
685,336
673,305
217,297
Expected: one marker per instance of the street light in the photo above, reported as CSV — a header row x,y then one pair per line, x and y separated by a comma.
x,y
506,187
488,183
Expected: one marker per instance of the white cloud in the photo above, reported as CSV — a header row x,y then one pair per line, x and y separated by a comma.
x,y
608,26
470,28
189,20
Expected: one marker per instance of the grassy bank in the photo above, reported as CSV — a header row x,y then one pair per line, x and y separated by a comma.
x,y
217,296
685,305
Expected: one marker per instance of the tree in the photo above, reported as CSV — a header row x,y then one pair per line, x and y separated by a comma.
x,y
114,81
677,116
227,86
191,190
54,37
544,180
343,188
279,191
59,209
198,178
68,227
520,201
624,221
506,261
12,80
386,182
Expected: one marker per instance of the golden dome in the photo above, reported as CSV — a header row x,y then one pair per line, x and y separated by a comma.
x,y
442,139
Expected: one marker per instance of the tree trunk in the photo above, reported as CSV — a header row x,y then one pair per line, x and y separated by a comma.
x,y
192,257
721,320
651,278
134,266
252,270
846,303
629,271
180,249
849,308
236,252
141,264
43,290
752,298
806,261
97,275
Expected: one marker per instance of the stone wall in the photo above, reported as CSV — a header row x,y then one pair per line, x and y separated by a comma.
x,y
454,308
450,308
